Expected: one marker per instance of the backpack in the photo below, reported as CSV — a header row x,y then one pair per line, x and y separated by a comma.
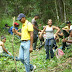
x,y
59,53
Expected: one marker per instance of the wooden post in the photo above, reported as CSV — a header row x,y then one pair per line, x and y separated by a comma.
x,y
13,45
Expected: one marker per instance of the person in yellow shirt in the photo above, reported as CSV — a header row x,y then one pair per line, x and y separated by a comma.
x,y
26,42
66,29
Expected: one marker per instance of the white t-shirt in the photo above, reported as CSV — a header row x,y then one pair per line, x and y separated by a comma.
x,y
71,27
1,49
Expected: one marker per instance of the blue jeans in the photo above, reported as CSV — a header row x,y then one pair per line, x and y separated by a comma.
x,y
24,55
4,54
49,46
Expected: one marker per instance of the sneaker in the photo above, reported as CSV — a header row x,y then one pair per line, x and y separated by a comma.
x,y
34,67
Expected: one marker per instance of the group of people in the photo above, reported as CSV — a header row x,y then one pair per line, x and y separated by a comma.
x,y
29,36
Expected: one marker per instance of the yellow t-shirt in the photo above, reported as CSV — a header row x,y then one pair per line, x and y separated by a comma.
x,y
26,27
66,27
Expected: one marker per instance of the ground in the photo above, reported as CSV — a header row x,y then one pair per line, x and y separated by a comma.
x,y
37,58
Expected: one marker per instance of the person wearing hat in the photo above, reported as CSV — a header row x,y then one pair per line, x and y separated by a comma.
x,y
26,42
66,29
16,25
36,30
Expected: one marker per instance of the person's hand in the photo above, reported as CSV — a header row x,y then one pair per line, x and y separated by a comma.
x,y
19,29
39,24
10,54
31,49
64,40
14,30
39,30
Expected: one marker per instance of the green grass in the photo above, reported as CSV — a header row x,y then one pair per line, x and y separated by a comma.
x,y
37,58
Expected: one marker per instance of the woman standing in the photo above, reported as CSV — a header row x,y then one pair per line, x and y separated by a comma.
x,y
49,43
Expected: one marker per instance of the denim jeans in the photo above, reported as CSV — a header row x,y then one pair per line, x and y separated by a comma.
x,y
4,54
24,55
49,47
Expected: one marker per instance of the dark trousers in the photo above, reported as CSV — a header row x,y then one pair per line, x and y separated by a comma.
x,y
64,45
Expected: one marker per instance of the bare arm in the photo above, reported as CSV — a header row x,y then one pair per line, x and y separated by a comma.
x,y
61,34
16,32
31,41
36,28
5,49
43,30
54,27
69,41
65,29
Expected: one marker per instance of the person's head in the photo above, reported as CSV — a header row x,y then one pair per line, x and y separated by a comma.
x,y
70,32
21,18
68,23
16,24
36,16
50,22
3,39
6,25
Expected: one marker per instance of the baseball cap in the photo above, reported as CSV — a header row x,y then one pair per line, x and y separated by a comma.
x,y
15,23
20,16
68,22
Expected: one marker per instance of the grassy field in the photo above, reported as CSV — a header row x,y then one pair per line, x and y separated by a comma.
x,y
37,58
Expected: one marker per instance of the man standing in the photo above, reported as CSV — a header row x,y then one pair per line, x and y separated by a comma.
x,y
26,42
36,30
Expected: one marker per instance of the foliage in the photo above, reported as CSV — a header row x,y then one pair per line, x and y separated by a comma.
x,y
37,58
45,8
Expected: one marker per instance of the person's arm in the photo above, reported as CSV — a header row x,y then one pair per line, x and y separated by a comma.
x,y
16,32
61,34
54,27
31,41
5,49
69,41
43,30
36,28
40,35
65,29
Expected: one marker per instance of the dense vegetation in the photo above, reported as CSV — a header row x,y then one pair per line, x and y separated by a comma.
x,y
58,10
37,58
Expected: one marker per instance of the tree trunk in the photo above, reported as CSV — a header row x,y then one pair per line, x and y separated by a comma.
x,y
56,11
61,9
64,12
